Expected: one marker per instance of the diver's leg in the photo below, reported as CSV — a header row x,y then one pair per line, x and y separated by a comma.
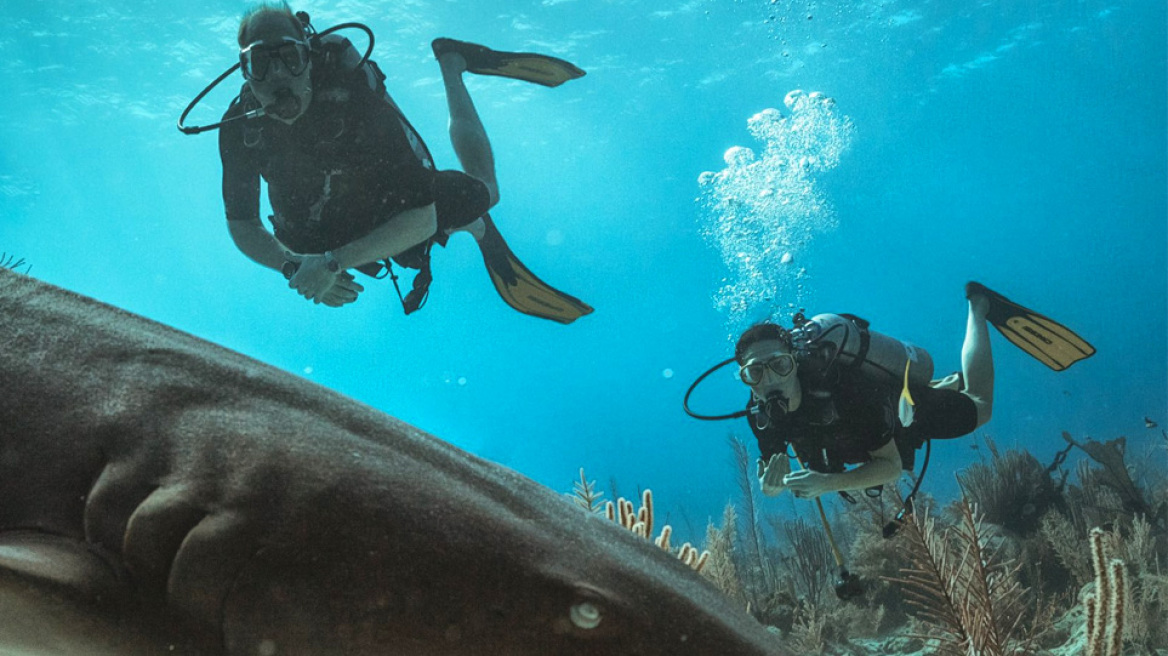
x,y
467,134
977,359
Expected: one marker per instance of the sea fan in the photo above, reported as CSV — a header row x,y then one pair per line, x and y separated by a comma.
x,y
959,585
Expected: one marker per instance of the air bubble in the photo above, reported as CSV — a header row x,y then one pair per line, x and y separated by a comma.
x,y
765,206
738,156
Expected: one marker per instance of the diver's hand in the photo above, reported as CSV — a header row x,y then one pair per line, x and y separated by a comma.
x,y
343,291
313,278
807,484
771,474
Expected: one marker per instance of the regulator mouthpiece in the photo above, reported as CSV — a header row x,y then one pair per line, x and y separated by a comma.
x,y
286,106
776,401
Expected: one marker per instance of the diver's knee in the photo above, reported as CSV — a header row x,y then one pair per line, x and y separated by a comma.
x,y
484,195
985,408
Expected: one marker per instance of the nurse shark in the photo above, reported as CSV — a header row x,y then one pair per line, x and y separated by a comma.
x,y
161,494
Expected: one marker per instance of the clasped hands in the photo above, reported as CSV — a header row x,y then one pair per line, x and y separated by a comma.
x,y
315,282
776,476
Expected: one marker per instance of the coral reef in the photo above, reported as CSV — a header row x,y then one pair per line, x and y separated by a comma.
x,y
1006,569
1057,560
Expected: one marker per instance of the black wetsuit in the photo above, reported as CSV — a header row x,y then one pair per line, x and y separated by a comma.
x,y
347,165
842,421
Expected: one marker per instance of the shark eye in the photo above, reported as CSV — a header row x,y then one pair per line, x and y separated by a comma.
x,y
585,615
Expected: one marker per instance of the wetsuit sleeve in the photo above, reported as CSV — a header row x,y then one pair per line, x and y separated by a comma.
x,y
241,176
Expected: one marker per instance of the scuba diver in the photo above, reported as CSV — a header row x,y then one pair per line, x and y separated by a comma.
x,y
830,393
836,393
351,184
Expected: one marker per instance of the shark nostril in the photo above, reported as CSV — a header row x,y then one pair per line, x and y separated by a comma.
x,y
585,615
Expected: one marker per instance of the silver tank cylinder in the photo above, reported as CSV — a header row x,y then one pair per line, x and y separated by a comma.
x,y
885,358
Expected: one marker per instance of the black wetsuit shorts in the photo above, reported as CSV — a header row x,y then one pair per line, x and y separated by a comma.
x,y
459,199
940,414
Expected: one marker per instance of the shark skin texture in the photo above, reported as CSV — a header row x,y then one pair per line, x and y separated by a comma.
x,y
160,494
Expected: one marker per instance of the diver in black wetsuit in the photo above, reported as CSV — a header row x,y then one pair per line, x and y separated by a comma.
x,y
349,180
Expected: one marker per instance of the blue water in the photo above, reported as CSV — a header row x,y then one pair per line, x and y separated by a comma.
x,y
1018,143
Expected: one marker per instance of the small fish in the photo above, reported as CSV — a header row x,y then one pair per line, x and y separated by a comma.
x,y
1149,423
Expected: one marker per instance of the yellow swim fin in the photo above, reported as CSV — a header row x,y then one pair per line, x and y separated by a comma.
x,y
1045,339
527,66
519,287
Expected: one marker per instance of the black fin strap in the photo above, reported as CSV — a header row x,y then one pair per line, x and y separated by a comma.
x,y
420,293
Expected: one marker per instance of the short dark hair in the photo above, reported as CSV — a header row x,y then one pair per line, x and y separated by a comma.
x,y
758,332
265,8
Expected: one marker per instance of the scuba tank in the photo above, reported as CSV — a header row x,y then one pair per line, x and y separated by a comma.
x,y
826,341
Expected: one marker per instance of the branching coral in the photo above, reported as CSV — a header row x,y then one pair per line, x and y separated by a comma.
x,y
1114,475
8,261
1012,490
758,573
1092,502
640,522
1147,588
637,520
808,634
720,568
808,558
875,559
585,495
959,585
1107,604
1060,534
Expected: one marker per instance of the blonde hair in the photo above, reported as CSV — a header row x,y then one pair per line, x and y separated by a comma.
x,y
267,8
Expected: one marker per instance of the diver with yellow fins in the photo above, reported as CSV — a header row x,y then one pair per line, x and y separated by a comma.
x,y
830,392
351,184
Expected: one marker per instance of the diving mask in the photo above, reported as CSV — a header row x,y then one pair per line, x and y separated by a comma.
x,y
782,365
256,59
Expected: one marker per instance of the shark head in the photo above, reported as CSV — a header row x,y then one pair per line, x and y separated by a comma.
x,y
160,494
